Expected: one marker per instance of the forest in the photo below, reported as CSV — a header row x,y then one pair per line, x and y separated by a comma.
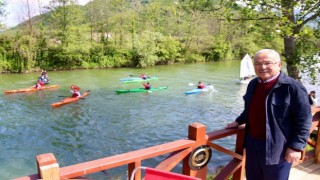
x,y
144,33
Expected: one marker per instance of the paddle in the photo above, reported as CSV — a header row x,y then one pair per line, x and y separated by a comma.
x,y
192,84
131,75
69,96
208,86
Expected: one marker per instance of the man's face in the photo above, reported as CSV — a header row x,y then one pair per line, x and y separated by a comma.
x,y
266,66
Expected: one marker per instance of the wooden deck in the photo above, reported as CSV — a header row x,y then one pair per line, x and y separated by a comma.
x,y
307,170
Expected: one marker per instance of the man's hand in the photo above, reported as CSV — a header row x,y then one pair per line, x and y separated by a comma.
x,y
292,156
234,124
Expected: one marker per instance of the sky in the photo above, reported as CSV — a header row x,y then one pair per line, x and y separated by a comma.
x,y
15,13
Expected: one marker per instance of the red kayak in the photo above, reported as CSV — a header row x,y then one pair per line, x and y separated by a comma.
x,y
30,89
69,100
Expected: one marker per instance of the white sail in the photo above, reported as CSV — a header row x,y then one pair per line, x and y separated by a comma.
x,y
246,67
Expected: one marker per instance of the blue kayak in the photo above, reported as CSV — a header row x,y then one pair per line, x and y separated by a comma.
x,y
197,90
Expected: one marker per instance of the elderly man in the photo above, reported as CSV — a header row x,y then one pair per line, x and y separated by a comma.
x,y
278,118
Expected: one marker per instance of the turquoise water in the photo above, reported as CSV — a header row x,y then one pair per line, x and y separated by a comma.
x,y
104,123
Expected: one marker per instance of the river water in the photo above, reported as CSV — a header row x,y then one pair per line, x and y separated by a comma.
x,y
105,123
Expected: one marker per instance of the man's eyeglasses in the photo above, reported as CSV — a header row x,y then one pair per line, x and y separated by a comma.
x,y
266,64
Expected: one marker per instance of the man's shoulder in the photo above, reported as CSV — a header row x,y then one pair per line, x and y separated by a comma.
x,y
285,79
291,82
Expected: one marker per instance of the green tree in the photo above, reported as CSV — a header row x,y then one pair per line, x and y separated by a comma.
x,y
120,21
289,16
98,15
65,16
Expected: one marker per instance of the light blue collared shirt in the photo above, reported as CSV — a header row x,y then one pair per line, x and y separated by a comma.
x,y
270,79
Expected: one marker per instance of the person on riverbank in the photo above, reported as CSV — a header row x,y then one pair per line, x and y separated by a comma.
x,y
147,86
75,90
312,98
277,118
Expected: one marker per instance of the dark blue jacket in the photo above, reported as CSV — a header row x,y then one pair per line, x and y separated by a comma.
x,y
288,117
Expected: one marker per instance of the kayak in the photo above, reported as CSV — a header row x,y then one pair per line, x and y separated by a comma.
x,y
69,100
30,89
197,90
140,90
138,79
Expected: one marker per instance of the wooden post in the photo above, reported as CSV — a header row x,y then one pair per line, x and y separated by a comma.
x,y
316,117
197,132
131,167
239,174
317,150
48,168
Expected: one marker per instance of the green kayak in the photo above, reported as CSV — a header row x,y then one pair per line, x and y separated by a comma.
x,y
139,90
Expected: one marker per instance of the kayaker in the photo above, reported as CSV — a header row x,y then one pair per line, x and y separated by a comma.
x,y
75,90
147,86
201,85
44,77
143,76
39,84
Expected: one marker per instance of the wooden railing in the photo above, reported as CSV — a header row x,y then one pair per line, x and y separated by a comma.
x,y
176,151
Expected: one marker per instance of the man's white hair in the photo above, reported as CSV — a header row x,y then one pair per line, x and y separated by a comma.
x,y
271,53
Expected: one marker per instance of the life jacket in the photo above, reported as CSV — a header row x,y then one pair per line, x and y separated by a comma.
x,y
41,83
143,76
147,86
75,94
38,86
201,86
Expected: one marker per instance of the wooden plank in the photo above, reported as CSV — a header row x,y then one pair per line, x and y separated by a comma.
x,y
123,159
173,159
307,170
224,150
229,169
315,175
223,133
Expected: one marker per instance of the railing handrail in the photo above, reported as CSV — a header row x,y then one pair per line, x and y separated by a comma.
x,y
218,134
125,158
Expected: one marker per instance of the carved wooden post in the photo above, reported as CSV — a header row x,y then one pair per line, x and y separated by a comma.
x,y
197,132
48,168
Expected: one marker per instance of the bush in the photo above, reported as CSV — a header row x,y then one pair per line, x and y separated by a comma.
x,y
193,58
